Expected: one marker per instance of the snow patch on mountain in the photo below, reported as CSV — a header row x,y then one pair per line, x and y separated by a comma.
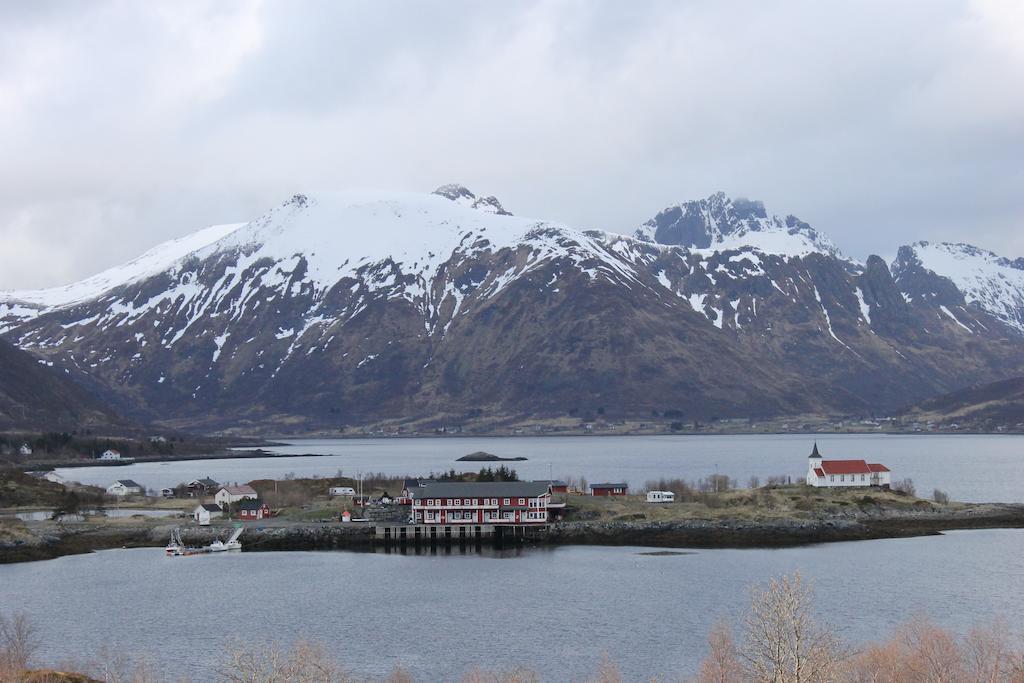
x,y
992,282
156,260
865,309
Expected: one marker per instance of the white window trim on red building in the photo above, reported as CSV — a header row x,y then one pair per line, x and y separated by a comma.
x,y
470,504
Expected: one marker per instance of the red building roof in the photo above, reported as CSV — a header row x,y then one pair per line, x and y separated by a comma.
x,y
818,471
845,467
849,467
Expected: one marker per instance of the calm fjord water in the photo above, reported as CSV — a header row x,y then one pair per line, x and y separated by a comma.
x,y
977,468
553,610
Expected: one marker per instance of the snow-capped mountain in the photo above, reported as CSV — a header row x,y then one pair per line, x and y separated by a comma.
x,y
150,263
351,308
720,223
990,282
463,197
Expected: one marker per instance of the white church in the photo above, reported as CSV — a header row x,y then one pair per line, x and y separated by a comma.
x,y
836,473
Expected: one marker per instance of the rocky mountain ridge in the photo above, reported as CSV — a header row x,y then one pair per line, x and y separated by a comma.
x,y
35,395
347,308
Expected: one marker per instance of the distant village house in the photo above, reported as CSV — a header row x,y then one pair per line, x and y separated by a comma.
x,y
201,487
607,489
110,454
845,473
411,485
25,449
125,487
661,497
232,494
205,512
250,510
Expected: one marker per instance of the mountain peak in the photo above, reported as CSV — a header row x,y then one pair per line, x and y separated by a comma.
x,y
720,222
461,195
992,282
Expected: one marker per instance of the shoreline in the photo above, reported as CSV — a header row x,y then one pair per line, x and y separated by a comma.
x,y
609,433
53,540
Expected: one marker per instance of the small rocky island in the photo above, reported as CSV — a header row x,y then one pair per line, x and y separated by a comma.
x,y
481,456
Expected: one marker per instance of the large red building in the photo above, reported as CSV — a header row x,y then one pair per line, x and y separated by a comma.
x,y
497,502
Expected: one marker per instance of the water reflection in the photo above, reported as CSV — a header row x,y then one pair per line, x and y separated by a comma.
x,y
476,549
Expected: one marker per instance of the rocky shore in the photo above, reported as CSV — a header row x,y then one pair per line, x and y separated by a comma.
x,y
45,541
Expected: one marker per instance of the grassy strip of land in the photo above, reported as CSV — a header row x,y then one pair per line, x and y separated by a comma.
x,y
307,518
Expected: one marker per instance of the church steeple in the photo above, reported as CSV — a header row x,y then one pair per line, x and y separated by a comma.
x,y
815,453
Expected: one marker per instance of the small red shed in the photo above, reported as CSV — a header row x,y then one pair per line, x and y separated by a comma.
x,y
253,510
607,489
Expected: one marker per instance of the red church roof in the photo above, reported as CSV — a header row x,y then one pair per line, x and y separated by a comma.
x,y
848,467
845,467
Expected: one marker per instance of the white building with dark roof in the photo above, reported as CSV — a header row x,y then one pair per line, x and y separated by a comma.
x,y
126,487
206,512
232,494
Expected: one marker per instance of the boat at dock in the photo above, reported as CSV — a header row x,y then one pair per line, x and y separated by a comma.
x,y
177,548
232,543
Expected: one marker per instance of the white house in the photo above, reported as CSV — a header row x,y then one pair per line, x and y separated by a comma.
x,y
232,494
125,487
342,491
110,454
661,497
25,449
204,513
845,473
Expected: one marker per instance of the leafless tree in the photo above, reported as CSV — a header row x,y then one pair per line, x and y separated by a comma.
x,y
115,666
940,497
930,654
881,663
18,643
905,486
722,665
608,672
303,663
513,676
399,675
782,642
988,655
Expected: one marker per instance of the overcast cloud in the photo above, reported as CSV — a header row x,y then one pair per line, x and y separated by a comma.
x,y
128,123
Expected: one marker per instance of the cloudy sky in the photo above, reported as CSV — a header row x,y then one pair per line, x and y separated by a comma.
x,y
128,123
